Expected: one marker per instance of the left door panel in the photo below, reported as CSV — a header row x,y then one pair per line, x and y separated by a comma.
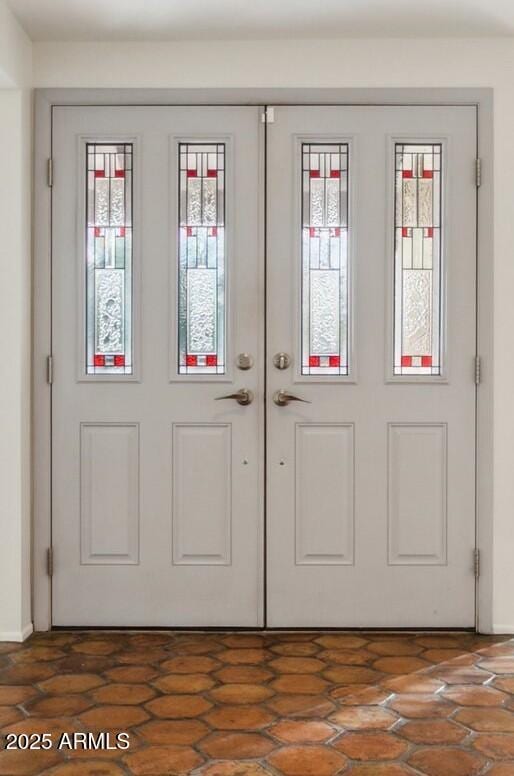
x,y
157,284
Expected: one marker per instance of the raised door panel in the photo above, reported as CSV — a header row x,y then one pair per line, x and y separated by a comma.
x,y
202,513
324,494
109,493
417,493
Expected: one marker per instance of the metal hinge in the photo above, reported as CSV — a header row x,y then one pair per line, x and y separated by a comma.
x,y
476,562
50,172
50,561
268,117
478,172
478,370
49,369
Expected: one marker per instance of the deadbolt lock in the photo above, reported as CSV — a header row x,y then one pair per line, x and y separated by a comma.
x,y
282,360
244,361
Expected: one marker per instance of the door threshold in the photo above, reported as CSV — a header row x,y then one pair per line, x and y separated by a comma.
x,y
264,630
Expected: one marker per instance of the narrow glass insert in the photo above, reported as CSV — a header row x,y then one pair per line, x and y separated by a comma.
x,y
417,259
201,266
325,295
109,259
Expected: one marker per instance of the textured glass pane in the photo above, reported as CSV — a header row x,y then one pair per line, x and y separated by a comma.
x,y
325,312
317,188
109,311
118,201
417,307
209,201
194,201
201,323
417,274
324,259
109,259
410,209
333,216
425,203
102,202
201,271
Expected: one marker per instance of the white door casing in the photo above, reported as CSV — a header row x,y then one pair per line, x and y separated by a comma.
x,y
371,501
157,487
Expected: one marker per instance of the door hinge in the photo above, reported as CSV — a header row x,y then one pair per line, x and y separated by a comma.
x,y
49,369
50,172
268,117
478,172
50,561
478,370
476,562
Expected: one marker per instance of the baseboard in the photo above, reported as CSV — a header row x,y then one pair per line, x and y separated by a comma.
x,y
17,635
502,629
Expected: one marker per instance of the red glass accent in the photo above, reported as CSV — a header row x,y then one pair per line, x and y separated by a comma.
x,y
428,174
335,232
121,231
335,173
99,360
313,360
313,232
191,360
426,360
98,231
405,231
314,173
430,231
212,173
119,173
191,174
407,173
214,231
406,360
211,360
99,173
189,231
119,360
334,360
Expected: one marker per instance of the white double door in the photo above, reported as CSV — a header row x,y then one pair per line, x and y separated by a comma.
x,y
334,263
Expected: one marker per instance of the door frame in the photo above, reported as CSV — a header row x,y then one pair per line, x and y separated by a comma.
x,y
47,99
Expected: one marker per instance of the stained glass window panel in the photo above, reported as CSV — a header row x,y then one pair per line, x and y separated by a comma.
x,y
325,298
417,259
201,265
109,259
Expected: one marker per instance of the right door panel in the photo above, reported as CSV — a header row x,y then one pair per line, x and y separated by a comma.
x,y
371,291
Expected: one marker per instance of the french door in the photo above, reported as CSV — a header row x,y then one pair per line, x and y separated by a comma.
x,y
371,289
165,392
157,256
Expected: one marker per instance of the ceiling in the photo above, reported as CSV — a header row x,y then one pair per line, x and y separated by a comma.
x,y
84,20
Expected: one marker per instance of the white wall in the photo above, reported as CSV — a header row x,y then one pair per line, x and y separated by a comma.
x,y
15,325
345,63
15,52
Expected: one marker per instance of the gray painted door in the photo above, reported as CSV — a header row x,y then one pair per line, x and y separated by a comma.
x,y
371,495
157,486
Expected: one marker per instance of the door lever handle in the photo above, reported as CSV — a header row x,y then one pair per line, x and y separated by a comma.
x,y
244,396
282,398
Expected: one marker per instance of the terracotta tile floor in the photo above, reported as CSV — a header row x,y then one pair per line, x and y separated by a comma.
x,y
231,704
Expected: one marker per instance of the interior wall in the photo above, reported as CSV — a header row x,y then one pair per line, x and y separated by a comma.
x,y
15,327
352,63
15,52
